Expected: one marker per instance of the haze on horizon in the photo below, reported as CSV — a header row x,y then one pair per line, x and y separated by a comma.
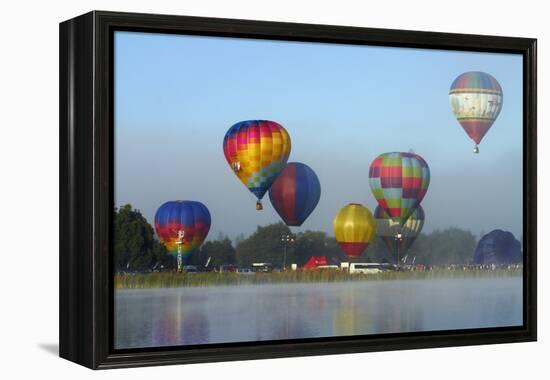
x,y
176,96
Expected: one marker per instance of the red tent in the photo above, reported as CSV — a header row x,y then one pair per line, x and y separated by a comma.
x,y
315,261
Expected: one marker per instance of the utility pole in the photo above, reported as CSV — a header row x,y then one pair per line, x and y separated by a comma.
x,y
288,238
398,240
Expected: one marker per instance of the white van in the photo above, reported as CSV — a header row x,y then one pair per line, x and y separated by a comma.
x,y
367,268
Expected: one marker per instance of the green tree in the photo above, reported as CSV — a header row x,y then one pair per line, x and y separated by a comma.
x,y
219,251
333,252
135,246
265,245
377,252
309,243
443,247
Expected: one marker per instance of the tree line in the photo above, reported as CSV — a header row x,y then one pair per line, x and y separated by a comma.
x,y
136,247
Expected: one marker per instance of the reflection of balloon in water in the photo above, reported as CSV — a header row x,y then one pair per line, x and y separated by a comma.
x,y
257,151
387,229
191,217
476,101
498,247
354,228
399,182
175,324
195,328
351,315
295,193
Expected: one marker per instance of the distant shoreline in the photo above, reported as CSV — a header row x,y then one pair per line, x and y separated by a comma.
x,y
178,280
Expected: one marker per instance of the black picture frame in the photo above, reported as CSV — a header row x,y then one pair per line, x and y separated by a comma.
x,y
86,188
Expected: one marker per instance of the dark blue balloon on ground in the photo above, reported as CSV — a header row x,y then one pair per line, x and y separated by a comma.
x,y
498,247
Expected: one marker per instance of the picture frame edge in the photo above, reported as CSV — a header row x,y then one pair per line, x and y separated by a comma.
x,y
86,138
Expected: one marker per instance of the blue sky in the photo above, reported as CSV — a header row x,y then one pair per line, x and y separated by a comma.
x,y
176,96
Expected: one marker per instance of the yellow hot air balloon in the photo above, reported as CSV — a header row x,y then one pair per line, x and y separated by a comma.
x,y
354,228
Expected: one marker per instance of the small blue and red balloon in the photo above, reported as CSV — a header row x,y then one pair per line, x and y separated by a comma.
x,y
191,217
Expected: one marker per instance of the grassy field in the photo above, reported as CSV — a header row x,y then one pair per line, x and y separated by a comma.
x,y
174,280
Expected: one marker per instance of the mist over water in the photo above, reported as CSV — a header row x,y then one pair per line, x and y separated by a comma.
x,y
194,315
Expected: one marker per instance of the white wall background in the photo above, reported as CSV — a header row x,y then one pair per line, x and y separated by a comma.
x,y
29,190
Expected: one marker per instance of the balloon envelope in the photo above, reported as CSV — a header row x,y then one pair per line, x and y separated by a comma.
x,y
191,217
354,228
399,182
498,247
476,100
295,193
387,229
257,151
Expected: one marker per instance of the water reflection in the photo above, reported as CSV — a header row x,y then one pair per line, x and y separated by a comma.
x,y
167,317
174,324
349,315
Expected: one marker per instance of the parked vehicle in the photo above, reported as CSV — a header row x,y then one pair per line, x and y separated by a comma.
x,y
228,268
189,269
262,267
369,268
245,271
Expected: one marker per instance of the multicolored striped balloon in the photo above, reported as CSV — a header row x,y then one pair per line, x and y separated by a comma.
x,y
387,229
191,217
354,228
399,181
476,100
295,193
257,151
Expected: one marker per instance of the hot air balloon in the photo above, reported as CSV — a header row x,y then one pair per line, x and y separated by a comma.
x,y
498,247
257,151
354,228
182,226
398,239
476,101
399,182
295,193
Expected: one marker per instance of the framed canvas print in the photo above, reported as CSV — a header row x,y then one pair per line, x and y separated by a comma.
x,y
238,189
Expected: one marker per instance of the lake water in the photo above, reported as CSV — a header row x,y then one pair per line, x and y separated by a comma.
x,y
184,316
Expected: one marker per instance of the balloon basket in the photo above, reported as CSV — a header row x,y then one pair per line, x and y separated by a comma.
x,y
259,206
